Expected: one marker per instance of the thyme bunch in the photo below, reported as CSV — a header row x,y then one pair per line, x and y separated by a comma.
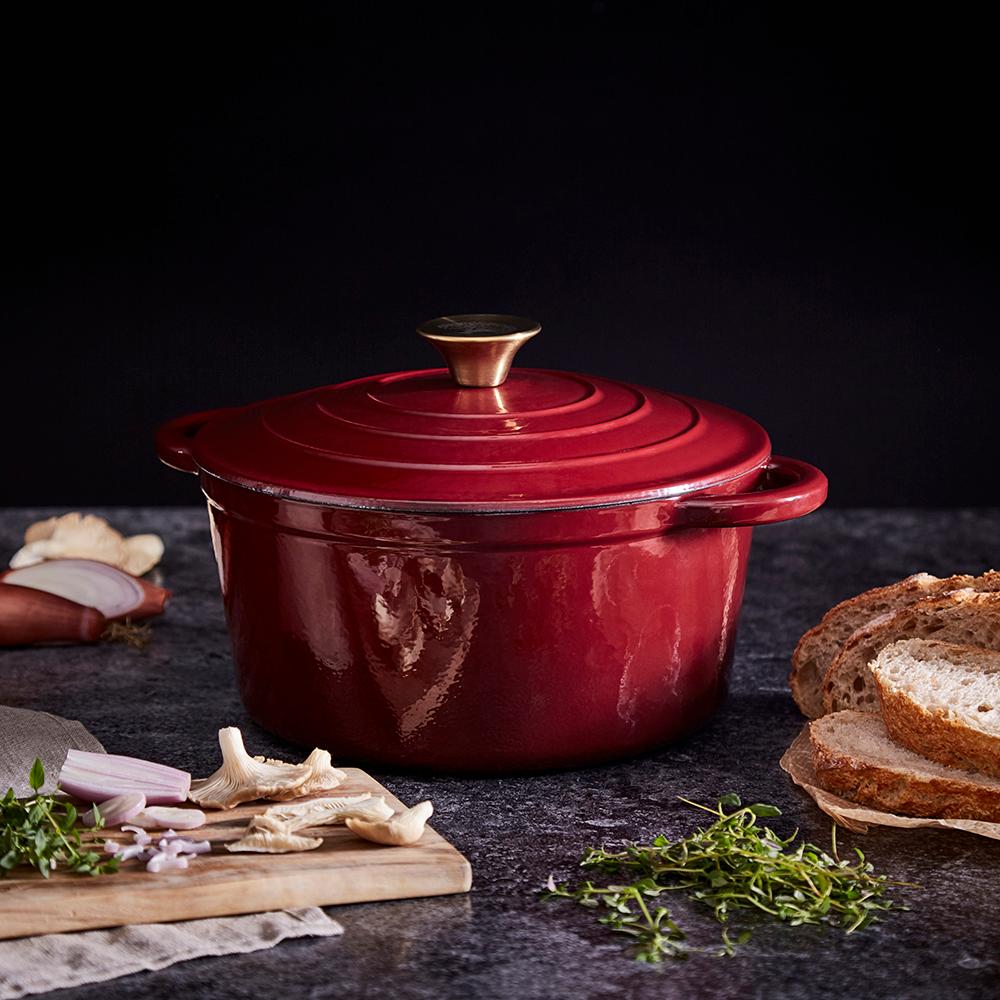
x,y
41,832
732,865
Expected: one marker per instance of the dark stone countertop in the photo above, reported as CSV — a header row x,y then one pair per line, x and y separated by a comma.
x,y
500,941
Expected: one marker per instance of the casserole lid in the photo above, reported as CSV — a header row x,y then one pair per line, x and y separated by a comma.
x,y
478,436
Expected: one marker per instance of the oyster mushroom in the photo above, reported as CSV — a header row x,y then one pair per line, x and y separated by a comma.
x,y
275,831
330,811
243,778
402,830
279,841
79,536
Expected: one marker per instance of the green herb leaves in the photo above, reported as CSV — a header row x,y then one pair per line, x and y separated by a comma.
x,y
40,832
734,864
36,777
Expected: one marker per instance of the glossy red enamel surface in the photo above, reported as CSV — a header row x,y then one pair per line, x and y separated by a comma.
x,y
430,642
416,441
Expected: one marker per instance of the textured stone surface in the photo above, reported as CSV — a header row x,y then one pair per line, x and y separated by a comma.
x,y
499,941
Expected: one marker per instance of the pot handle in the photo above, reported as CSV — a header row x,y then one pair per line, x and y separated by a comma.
x,y
174,438
789,489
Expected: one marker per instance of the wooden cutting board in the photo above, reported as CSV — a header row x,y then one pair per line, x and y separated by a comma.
x,y
344,869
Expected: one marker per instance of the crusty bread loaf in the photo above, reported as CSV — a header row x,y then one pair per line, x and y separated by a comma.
x,y
817,648
854,757
942,701
966,617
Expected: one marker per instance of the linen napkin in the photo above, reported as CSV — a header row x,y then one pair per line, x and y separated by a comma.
x,y
54,961
26,735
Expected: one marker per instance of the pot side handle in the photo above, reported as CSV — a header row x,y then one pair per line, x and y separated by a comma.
x,y
174,438
789,489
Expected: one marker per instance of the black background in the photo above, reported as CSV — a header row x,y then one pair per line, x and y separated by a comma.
x,y
788,209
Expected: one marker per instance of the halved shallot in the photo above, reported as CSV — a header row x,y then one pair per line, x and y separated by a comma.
x,y
29,616
113,592
96,777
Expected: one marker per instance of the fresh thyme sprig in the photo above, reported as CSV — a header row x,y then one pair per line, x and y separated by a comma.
x,y
41,832
734,864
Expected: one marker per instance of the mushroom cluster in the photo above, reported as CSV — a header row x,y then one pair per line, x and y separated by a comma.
x,y
278,830
87,536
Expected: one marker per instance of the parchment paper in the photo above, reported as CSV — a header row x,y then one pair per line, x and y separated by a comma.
x,y
797,763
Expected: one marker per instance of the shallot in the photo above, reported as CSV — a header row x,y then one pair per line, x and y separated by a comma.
x,y
159,817
113,592
29,616
117,810
181,845
171,853
125,852
162,862
95,777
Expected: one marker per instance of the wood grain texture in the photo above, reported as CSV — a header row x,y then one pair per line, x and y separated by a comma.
x,y
343,870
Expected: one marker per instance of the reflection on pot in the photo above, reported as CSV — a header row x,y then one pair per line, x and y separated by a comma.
x,y
417,616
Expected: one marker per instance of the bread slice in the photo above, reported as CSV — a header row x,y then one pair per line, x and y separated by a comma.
x,y
855,757
966,617
817,648
942,701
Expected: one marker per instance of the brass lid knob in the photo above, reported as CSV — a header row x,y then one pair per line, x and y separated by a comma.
x,y
479,347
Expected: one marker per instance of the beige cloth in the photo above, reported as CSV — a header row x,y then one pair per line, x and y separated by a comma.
x,y
26,735
55,961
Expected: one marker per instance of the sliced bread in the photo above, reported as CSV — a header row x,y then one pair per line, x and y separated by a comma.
x,y
855,757
817,648
942,701
966,617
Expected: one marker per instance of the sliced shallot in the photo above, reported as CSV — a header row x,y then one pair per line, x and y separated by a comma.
x,y
172,852
117,810
162,862
95,777
126,852
182,846
163,817
113,592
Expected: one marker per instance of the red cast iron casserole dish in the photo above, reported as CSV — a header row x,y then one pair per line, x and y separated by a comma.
x,y
481,570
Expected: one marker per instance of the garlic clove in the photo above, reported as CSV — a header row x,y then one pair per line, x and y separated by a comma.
x,y
403,830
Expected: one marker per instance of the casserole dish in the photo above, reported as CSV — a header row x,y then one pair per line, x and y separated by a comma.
x,y
483,568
